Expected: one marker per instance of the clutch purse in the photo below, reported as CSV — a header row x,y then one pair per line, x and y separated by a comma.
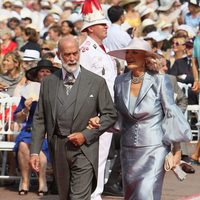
x,y
168,165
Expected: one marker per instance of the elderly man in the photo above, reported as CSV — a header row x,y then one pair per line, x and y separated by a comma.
x,y
68,99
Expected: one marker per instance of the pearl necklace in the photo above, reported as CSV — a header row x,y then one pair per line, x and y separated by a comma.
x,y
137,79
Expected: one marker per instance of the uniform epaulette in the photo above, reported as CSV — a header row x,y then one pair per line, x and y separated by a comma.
x,y
85,47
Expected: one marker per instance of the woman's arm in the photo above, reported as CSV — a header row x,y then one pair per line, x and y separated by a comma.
x,y
22,111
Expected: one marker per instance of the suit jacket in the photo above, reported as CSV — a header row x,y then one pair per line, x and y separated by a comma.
x,y
144,127
92,98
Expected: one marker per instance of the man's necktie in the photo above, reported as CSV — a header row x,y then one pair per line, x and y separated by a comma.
x,y
69,82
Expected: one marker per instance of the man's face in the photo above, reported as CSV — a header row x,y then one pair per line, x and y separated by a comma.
x,y
99,30
69,55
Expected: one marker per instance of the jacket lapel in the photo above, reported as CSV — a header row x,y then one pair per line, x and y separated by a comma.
x,y
126,84
146,85
53,91
83,91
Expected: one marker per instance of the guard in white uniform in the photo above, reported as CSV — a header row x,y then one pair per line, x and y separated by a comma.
x,y
94,58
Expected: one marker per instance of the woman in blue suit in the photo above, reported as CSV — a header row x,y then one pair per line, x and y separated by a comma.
x,y
151,124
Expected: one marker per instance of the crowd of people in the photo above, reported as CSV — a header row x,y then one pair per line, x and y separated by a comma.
x,y
98,80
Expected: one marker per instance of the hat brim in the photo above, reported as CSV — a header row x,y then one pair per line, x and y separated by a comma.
x,y
121,53
30,59
126,2
31,74
95,22
167,7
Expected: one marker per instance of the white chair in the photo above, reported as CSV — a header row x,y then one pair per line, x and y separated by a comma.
x,y
7,107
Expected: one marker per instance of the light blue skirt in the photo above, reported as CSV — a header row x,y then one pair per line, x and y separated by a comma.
x,y
143,171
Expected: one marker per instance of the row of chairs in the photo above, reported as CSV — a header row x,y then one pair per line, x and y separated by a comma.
x,y
192,111
7,128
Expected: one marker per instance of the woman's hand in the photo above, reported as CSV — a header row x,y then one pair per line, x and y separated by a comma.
x,y
176,153
3,86
94,123
28,103
196,86
177,158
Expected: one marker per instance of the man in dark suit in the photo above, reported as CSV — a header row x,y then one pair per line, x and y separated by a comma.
x,y
66,104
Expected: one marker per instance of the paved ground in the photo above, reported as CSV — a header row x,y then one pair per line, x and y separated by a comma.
x,y
173,189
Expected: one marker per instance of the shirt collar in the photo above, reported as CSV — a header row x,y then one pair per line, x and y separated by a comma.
x,y
75,73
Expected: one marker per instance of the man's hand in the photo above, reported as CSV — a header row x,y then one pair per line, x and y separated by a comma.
x,y
94,123
77,138
35,162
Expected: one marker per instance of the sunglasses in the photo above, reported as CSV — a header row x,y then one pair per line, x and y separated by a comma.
x,y
177,43
7,6
45,49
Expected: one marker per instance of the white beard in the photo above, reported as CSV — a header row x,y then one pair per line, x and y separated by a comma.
x,y
70,67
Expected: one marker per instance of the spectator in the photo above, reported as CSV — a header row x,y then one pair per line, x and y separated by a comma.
x,y
13,74
7,44
30,38
24,114
47,46
116,37
30,59
18,36
193,17
54,33
182,67
13,23
25,21
132,17
67,28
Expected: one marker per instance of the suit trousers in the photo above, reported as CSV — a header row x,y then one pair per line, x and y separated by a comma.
x,y
72,170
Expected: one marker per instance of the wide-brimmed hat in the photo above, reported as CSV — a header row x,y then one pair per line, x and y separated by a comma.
x,y
158,36
195,2
166,5
147,22
31,74
144,10
92,14
189,29
31,55
137,45
126,2
75,17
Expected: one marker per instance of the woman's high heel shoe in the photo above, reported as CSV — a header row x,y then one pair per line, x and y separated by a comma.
x,y
23,192
42,193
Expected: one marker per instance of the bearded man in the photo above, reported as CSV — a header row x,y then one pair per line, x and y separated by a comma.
x,y
68,99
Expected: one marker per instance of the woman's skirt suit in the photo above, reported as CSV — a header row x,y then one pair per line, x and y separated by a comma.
x,y
148,128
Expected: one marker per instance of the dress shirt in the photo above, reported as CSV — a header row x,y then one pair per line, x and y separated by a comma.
x,y
116,38
75,73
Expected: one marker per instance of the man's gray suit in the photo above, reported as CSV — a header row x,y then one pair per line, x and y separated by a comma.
x,y
58,115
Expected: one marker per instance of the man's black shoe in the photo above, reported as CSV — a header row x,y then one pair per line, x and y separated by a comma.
x,y
113,190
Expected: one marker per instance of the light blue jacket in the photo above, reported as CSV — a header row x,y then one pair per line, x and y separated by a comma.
x,y
156,119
